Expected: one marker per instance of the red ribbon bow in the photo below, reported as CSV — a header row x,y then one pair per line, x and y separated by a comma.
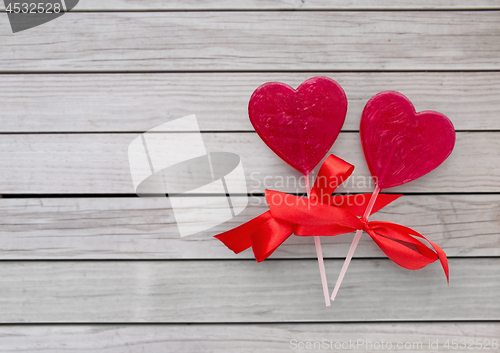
x,y
327,215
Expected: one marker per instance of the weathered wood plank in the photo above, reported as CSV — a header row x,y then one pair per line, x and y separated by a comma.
x,y
98,163
264,338
144,228
158,5
256,41
88,103
244,291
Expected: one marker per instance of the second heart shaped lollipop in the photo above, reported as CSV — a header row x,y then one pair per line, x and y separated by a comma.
x,y
399,144
299,125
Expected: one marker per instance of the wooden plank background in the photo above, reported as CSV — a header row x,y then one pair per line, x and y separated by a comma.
x,y
88,267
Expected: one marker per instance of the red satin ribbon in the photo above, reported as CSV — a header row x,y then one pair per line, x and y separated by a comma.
x,y
326,215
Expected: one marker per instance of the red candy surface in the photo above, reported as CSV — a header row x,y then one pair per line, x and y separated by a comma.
x,y
399,144
300,125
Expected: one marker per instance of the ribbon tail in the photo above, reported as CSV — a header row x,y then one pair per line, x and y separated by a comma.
x,y
442,258
440,252
239,238
397,242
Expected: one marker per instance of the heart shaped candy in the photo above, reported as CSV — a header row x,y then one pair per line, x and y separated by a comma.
x,y
300,125
399,144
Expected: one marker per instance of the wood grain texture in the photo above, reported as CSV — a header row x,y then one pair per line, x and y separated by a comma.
x,y
98,164
256,41
200,281
264,338
138,102
145,228
244,291
158,5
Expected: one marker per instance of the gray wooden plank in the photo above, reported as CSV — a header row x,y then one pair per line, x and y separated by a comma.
x,y
145,228
256,41
98,163
264,338
101,102
244,291
158,5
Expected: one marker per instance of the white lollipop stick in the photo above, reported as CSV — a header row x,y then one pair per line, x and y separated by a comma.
x,y
319,254
355,242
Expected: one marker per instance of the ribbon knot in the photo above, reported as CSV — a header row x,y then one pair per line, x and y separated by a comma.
x,y
327,215
365,225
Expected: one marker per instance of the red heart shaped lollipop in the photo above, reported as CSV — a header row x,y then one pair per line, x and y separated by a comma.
x,y
399,144
299,125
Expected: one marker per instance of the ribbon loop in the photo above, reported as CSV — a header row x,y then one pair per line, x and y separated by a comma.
x,y
332,174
